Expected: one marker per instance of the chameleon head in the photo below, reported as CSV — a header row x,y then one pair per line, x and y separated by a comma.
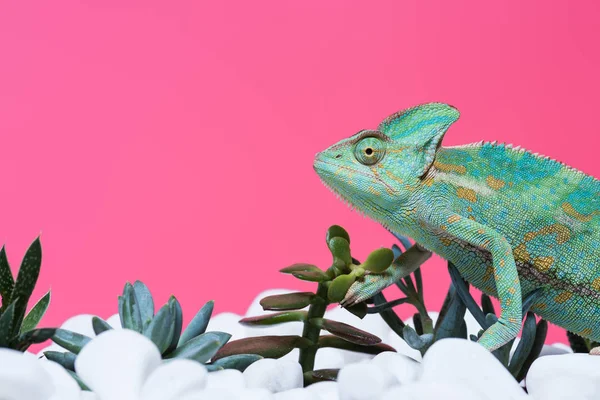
x,y
379,170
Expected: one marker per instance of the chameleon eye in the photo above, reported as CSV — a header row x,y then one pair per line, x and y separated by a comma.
x,y
369,150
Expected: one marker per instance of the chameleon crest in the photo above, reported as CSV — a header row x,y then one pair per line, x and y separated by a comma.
x,y
511,221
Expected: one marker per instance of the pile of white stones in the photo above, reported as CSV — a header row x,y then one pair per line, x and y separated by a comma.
x,y
124,365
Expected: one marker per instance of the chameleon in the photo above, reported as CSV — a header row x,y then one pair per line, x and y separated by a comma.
x,y
510,220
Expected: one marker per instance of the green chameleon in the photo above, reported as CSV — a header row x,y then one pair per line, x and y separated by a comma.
x,y
511,221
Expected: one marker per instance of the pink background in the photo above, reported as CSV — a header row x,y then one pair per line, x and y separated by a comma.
x,y
173,141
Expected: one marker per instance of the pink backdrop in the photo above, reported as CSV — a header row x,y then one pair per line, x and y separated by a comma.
x,y
173,141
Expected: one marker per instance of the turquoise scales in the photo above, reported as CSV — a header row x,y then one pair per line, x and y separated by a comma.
x,y
511,221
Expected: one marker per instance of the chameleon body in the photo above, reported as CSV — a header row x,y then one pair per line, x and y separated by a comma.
x,y
511,221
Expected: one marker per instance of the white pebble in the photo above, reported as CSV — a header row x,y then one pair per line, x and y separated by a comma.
x,y
227,322
81,324
173,379
364,381
431,391
275,375
115,321
65,387
22,377
329,358
117,363
325,390
227,378
465,362
567,376
402,367
296,394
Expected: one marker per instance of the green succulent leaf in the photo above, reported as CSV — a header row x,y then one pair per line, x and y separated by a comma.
x,y
265,346
416,341
449,324
34,336
7,282
388,305
378,260
99,325
389,316
198,324
340,249
177,313
202,348
311,276
322,375
525,345
82,385
71,341
462,290
6,329
288,301
274,318
339,286
339,343
36,313
300,267
538,344
337,231
66,359
237,361
346,332
487,305
25,282
145,303
359,309
129,310
162,329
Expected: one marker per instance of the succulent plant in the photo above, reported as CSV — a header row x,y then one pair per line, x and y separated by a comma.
x,y
18,329
332,285
136,311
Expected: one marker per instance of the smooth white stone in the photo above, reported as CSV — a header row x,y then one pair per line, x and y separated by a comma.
x,y
87,395
81,324
65,387
292,355
256,309
230,394
431,391
555,349
274,375
325,390
173,379
227,378
566,376
116,364
22,377
114,321
329,357
562,346
227,322
403,368
296,394
468,363
363,381
402,347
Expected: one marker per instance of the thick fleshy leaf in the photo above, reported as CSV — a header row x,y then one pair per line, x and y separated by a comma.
x,y
25,282
525,345
176,312
387,305
339,343
345,331
71,341
162,329
129,310
336,231
99,325
340,248
288,301
145,303
6,327
378,260
274,318
487,305
462,290
402,239
416,341
36,313
338,288
265,346
198,324
213,368
82,385
451,317
311,276
34,336
7,282
529,300
538,344
359,309
202,348
300,267
66,359
389,316
237,361
321,375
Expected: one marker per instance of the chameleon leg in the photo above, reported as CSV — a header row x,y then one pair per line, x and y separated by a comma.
x,y
372,284
508,286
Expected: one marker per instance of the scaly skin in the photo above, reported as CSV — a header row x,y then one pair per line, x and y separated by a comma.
x,y
511,221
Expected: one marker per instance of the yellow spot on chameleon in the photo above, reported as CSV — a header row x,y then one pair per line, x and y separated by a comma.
x,y
445,241
512,320
428,181
573,213
453,218
374,191
467,194
520,253
480,231
512,290
494,183
563,296
469,209
489,271
540,306
596,284
443,227
543,264
392,176
472,218
586,332
459,169
502,263
563,233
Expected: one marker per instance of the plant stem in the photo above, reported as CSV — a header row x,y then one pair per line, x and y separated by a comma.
x,y
312,332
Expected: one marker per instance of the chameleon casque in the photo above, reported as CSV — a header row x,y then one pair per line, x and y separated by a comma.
x,y
511,221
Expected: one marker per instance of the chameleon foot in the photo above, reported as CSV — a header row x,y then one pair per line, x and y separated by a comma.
x,y
595,351
365,289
